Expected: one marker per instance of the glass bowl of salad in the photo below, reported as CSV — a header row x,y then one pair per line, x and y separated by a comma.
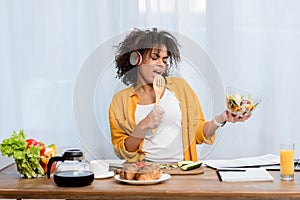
x,y
240,102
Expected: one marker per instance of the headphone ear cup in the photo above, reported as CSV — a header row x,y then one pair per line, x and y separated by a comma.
x,y
135,58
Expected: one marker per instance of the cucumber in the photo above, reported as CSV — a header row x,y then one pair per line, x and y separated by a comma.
x,y
191,166
174,166
185,162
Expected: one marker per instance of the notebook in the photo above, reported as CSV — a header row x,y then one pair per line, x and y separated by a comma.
x,y
246,174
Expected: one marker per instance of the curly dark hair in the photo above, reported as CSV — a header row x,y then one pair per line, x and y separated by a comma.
x,y
144,41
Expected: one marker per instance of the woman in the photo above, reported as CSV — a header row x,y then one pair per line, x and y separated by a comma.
x,y
178,121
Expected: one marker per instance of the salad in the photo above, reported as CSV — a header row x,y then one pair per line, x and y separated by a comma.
x,y
239,104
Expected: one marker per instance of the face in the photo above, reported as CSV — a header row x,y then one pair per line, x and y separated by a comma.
x,y
154,63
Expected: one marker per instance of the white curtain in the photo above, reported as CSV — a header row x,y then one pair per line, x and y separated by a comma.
x,y
44,45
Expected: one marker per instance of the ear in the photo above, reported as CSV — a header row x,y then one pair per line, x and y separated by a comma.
x,y
135,58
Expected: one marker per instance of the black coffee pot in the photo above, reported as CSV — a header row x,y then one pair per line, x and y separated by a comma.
x,y
71,170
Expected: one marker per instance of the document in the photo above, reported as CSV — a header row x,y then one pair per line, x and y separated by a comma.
x,y
265,160
247,174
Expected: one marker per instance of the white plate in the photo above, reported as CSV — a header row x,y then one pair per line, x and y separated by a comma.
x,y
107,175
163,177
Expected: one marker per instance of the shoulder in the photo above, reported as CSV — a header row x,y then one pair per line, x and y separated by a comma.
x,y
177,82
181,88
123,94
127,91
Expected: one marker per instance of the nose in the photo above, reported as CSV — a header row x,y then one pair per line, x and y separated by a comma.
x,y
161,63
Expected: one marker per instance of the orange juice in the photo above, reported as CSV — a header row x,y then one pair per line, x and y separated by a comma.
x,y
287,162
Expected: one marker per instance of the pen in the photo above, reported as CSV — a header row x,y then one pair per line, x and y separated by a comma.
x,y
231,170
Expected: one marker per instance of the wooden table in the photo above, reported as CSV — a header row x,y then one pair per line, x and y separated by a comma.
x,y
204,186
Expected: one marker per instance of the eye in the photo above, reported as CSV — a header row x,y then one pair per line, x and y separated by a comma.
x,y
154,56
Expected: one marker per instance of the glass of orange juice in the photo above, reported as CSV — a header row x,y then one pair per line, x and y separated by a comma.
x,y
287,161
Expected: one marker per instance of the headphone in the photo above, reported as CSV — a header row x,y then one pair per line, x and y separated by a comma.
x,y
135,58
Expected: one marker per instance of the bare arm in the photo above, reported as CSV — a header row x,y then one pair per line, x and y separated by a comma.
x,y
133,141
152,121
210,127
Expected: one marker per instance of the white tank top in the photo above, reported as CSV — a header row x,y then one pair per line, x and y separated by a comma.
x,y
166,144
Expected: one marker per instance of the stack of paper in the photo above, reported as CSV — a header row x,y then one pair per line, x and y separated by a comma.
x,y
265,160
249,174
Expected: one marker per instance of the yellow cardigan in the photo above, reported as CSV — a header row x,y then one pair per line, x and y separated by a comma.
x,y
122,120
